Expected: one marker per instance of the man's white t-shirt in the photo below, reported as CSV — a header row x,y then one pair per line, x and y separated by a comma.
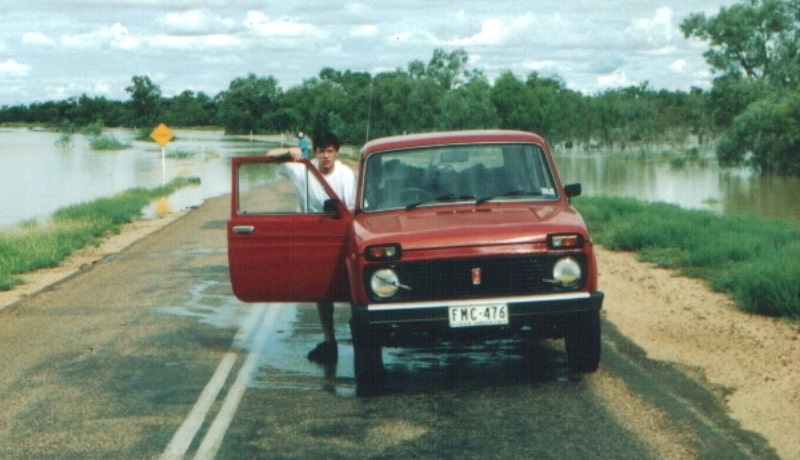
x,y
342,180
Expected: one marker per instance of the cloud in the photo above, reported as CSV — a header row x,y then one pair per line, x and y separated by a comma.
x,y
14,69
261,24
184,42
678,66
657,30
115,36
616,79
197,21
367,30
496,31
37,38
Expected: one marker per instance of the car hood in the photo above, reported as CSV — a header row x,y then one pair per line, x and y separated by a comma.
x,y
460,226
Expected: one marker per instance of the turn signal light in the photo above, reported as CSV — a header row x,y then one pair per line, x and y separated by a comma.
x,y
568,241
383,252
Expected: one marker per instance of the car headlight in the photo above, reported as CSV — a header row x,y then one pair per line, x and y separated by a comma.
x,y
567,271
385,283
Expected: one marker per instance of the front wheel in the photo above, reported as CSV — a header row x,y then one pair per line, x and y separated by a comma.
x,y
582,341
367,354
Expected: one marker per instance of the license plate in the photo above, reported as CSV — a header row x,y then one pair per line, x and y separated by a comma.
x,y
478,315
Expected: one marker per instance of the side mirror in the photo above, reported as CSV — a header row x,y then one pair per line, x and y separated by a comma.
x,y
572,190
331,206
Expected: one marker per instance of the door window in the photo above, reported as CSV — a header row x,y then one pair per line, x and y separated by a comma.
x,y
278,188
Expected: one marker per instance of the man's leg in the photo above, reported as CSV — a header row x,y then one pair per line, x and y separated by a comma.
x,y
325,312
326,352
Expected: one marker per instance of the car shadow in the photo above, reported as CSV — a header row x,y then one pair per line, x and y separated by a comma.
x,y
465,367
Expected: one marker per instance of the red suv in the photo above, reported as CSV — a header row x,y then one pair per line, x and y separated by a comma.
x,y
454,235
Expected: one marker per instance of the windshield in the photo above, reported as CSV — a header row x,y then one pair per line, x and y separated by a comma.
x,y
476,173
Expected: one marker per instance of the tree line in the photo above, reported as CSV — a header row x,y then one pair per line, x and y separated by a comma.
x,y
752,110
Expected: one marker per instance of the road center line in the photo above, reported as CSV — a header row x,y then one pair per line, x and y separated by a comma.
x,y
183,438
213,439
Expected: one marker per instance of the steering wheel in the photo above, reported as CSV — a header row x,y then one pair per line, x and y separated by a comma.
x,y
408,195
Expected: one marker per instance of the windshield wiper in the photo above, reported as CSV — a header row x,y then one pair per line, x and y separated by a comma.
x,y
441,199
510,194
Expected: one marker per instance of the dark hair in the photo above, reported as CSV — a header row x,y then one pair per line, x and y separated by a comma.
x,y
326,139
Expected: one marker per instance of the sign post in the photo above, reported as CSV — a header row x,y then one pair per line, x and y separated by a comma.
x,y
162,135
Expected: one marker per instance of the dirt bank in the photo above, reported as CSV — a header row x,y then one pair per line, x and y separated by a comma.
x,y
751,361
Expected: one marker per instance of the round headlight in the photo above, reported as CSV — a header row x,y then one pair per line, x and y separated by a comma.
x,y
384,283
567,271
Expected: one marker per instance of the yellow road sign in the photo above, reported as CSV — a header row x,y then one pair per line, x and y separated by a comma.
x,y
162,135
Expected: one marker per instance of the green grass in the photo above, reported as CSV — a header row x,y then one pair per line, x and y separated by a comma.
x,y
106,142
755,260
31,245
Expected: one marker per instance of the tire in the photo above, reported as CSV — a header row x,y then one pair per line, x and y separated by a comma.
x,y
582,341
367,354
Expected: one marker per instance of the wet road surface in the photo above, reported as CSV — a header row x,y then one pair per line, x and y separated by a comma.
x,y
148,355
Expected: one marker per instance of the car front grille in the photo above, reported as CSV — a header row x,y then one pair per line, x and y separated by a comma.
x,y
455,279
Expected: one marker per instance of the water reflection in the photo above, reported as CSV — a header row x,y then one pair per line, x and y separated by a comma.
x,y
701,185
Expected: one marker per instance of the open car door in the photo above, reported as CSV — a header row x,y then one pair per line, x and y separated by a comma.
x,y
279,247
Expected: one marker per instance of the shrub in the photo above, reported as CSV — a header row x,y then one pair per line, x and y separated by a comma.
x,y
753,259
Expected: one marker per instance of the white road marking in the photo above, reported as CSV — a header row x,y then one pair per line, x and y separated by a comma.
x,y
254,330
213,439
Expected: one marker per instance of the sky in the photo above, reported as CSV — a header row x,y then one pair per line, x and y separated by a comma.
x,y
57,49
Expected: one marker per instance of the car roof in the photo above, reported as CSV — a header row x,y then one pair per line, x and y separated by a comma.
x,y
410,141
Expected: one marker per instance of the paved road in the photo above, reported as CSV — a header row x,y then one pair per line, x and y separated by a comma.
x,y
148,355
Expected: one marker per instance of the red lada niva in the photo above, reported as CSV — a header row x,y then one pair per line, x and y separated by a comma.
x,y
454,235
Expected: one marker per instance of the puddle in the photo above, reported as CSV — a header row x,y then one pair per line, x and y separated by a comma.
x,y
295,330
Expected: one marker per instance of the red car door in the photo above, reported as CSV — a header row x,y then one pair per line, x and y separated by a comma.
x,y
281,247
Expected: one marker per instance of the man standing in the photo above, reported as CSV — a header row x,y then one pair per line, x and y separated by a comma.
x,y
342,180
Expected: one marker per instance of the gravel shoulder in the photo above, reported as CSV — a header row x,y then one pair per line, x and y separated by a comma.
x,y
751,362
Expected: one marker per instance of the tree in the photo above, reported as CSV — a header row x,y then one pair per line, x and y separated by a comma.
x,y
190,109
766,136
468,107
758,39
247,104
145,101
756,46
448,69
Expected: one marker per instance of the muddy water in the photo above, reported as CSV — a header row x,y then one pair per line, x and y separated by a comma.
x,y
37,176
695,185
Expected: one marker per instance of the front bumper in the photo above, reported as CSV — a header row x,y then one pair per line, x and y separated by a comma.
x,y
521,309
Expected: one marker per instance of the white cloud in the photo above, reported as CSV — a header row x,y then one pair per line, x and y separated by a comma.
x,y
678,66
197,21
497,31
655,31
616,79
14,69
114,36
262,24
37,38
187,42
367,30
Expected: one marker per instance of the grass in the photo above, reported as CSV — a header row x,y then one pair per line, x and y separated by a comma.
x,y
31,245
106,142
753,259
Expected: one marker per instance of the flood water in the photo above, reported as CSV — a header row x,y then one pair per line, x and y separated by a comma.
x,y
37,176
694,185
